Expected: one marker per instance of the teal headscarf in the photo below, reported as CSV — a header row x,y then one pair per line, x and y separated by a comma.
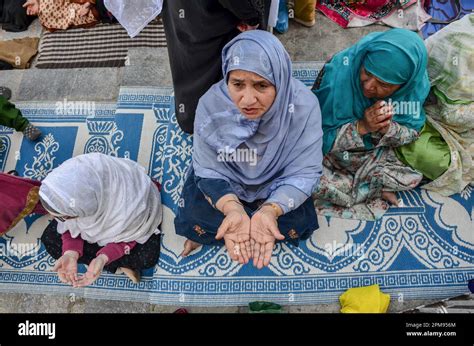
x,y
396,56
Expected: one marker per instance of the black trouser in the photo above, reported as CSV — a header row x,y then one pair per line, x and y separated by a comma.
x,y
104,14
142,256
195,45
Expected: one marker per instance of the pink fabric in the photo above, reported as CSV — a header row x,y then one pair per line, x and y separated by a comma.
x,y
158,185
368,7
13,198
39,209
334,16
113,251
364,10
72,244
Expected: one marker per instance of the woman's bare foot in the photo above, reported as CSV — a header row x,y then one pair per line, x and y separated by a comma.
x,y
390,197
131,274
189,246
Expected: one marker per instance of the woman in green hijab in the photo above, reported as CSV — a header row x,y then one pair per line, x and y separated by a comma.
x,y
371,96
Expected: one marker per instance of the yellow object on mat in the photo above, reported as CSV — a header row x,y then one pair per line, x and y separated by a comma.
x,y
367,299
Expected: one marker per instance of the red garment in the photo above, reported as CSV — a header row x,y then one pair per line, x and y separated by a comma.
x,y
19,197
72,244
113,251
342,11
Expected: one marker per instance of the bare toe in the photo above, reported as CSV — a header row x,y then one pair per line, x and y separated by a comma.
x,y
189,246
131,274
390,197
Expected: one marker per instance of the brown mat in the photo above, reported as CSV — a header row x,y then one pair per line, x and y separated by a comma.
x,y
105,45
19,52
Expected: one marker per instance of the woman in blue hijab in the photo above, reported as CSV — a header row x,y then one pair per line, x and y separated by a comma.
x,y
372,96
257,155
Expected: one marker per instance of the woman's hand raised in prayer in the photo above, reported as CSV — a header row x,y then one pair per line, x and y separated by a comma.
x,y
235,229
93,271
84,10
32,7
377,118
66,267
263,234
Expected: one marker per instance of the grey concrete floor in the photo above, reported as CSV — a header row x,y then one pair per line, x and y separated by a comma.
x,y
150,67
36,303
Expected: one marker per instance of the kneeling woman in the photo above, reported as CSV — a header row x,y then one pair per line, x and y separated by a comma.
x,y
372,97
107,212
257,155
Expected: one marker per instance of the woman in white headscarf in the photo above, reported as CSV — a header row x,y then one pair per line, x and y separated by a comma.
x,y
107,211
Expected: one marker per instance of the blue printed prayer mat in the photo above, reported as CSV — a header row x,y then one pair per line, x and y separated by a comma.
x,y
423,250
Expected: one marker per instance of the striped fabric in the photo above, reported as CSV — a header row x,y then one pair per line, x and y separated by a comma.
x,y
105,45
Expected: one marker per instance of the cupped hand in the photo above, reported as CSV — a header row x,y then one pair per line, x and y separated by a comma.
x,y
93,271
263,234
66,267
235,229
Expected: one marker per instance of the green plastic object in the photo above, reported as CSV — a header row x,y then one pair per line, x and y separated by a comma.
x,y
264,308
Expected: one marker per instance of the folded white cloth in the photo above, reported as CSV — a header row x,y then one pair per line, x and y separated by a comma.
x,y
134,15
